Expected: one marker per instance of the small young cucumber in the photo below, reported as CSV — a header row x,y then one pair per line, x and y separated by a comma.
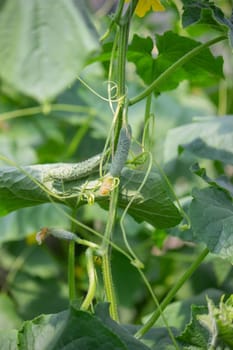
x,y
70,172
122,151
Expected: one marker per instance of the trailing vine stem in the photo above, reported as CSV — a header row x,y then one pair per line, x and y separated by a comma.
x,y
71,263
188,273
122,34
92,280
105,251
29,111
184,59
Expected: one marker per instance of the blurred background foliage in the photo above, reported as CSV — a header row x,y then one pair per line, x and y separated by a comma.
x,y
33,279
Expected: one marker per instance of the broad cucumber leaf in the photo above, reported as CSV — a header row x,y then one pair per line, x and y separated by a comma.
x,y
194,334
27,221
211,215
102,312
157,338
202,70
45,49
20,188
152,203
34,295
208,138
75,329
210,325
221,182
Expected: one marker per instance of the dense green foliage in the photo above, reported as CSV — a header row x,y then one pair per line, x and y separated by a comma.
x,y
151,264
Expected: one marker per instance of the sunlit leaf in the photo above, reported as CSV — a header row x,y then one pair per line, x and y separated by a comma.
x,y
45,49
211,214
202,70
207,138
19,188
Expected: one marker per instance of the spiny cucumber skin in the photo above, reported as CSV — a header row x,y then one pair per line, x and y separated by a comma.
x,y
62,234
122,151
70,172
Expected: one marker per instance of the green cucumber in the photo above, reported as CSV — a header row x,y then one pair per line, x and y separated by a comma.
x,y
122,151
70,172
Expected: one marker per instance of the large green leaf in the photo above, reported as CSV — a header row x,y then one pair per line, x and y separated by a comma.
x,y
194,334
221,182
34,295
152,202
46,48
24,222
210,325
208,138
18,189
202,70
75,329
211,215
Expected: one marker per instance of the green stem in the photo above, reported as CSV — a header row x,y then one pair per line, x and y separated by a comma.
x,y
146,141
122,52
71,271
92,280
187,57
108,285
40,109
106,254
124,24
71,263
114,21
145,328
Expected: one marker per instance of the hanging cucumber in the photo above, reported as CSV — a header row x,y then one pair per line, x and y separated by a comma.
x,y
122,151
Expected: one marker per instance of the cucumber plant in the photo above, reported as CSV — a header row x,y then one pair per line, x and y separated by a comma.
x,y
125,190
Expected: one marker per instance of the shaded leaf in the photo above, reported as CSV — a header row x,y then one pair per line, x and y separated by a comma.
x,y
208,138
102,312
206,12
202,70
18,189
34,295
45,49
194,334
211,215
74,329
152,203
27,221
221,182
156,338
